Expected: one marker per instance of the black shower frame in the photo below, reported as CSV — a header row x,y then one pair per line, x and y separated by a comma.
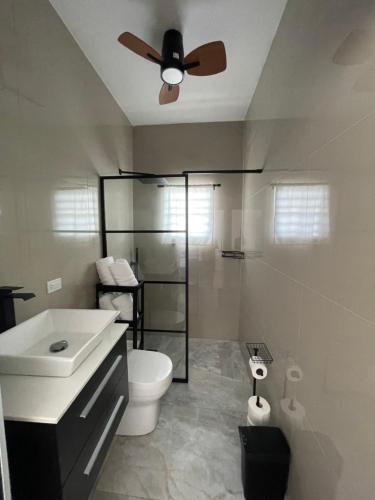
x,y
104,231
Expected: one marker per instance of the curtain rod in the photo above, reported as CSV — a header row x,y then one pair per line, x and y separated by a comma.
x,y
292,184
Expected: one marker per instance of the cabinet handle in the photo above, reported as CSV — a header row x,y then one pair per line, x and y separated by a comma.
x,y
98,447
85,412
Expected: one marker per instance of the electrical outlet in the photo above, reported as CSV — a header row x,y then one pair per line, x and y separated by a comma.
x,y
54,285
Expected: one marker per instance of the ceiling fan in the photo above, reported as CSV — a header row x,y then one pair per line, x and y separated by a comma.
x,y
208,59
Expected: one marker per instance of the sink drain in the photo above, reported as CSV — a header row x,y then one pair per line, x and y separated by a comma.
x,y
59,346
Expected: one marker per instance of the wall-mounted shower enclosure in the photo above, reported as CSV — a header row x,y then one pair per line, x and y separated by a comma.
x,y
140,222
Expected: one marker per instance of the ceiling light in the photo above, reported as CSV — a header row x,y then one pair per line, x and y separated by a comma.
x,y
172,76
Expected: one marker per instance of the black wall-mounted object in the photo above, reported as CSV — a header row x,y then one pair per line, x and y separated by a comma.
x,y
7,314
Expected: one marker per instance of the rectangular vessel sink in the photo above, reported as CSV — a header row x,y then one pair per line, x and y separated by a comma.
x,y
25,348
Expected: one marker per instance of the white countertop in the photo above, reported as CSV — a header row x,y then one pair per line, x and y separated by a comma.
x,y
45,399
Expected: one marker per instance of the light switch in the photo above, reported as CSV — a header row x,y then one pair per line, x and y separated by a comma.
x,y
54,285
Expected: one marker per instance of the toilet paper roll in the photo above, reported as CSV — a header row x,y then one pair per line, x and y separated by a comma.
x,y
294,374
293,411
258,370
258,415
249,422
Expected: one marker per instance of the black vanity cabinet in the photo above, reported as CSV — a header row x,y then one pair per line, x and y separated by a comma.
x,y
61,461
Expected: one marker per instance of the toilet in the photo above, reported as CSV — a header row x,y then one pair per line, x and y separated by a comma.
x,y
150,375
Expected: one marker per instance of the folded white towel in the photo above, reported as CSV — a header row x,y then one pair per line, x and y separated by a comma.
x,y
121,261
105,276
118,302
122,273
124,303
105,302
116,273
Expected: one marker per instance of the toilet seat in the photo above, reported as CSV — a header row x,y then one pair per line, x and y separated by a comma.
x,y
149,373
148,367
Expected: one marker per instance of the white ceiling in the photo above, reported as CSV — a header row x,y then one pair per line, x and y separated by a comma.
x,y
247,28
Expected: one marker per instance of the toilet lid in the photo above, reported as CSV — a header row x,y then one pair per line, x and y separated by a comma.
x,y
147,367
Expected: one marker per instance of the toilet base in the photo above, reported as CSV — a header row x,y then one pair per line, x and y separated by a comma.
x,y
140,418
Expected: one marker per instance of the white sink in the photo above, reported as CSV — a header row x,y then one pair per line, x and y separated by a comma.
x,y
25,348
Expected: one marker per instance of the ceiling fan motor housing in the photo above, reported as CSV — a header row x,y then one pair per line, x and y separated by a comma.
x,y
172,68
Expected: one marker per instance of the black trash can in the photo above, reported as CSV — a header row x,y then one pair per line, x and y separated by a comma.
x,y
265,463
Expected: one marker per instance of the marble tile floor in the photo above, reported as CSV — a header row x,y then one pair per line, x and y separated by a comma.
x,y
194,453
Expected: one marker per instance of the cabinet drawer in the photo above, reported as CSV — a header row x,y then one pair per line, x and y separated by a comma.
x,y
84,475
81,419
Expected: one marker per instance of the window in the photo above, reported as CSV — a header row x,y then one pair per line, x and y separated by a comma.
x,y
301,213
201,212
76,210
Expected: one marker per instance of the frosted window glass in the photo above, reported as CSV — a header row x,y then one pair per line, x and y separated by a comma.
x,y
201,212
301,213
76,210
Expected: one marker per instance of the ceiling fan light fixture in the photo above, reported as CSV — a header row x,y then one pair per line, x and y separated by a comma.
x,y
172,76
208,59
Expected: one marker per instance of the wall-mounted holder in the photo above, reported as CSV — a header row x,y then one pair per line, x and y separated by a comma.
x,y
232,254
259,353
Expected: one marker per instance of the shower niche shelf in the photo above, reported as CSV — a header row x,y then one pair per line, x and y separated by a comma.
x,y
232,254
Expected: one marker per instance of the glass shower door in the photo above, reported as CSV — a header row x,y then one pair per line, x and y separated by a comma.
x,y
139,223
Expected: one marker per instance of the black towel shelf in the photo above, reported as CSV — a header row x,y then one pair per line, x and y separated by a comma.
x,y
138,294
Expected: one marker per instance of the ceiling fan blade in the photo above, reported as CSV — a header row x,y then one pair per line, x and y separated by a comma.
x,y
206,60
169,93
140,47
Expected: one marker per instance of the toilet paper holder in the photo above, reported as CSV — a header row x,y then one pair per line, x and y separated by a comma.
x,y
259,353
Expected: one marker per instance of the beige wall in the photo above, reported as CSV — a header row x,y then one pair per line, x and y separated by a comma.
x,y
188,146
312,121
59,128
214,282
